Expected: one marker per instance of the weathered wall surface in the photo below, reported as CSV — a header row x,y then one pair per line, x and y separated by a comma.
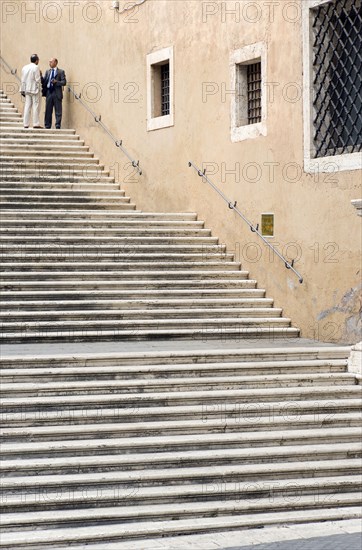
x,y
104,56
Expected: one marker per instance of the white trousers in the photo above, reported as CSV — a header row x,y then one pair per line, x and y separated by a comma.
x,y
32,102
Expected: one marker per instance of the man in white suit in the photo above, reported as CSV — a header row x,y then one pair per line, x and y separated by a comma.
x,y
31,90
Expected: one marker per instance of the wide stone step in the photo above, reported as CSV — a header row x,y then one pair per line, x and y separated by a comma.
x,y
180,481
154,385
136,462
101,224
170,371
41,160
77,300
37,141
91,215
112,494
109,254
54,147
40,154
171,399
116,430
18,136
92,535
93,305
82,202
81,232
276,353
47,133
140,313
19,173
122,261
60,188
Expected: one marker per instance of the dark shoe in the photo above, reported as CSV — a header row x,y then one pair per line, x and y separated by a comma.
x,y
26,126
57,127
38,127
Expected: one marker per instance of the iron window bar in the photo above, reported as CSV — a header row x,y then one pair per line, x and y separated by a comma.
x,y
118,143
255,229
98,119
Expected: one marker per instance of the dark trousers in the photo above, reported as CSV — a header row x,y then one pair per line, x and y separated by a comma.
x,y
53,102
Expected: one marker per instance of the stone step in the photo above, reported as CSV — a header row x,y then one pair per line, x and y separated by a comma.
x,y
63,299
169,371
26,133
59,187
15,173
133,494
237,509
179,357
22,153
91,215
179,482
249,304
60,232
128,323
87,430
134,401
76,205
109,254
214,457
134,332
41,160
101,224
206,312
54,146
184,384
43,132
131,448
62,537
38,141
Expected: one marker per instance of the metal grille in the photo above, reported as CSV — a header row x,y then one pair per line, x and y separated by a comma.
x,y
337,84
165,89
254,93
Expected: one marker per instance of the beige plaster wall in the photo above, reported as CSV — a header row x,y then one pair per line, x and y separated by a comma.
x,y
313,215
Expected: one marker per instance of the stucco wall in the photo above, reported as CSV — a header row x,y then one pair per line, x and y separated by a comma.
x,y
313,214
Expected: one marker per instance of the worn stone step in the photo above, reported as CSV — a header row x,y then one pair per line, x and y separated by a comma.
x,y
127,301
47,133
109,254
17,136
54,147
60,432
172,399
205,355
91,215
154,385
41,160
187,458
34,140
170,371
24,280
140,313
100,224
22,152
93,535
181,480
76,205
19,173
133,494
105,232
207,509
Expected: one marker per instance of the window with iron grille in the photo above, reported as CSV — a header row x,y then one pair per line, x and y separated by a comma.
x,y
165,89
336,29
254,92
160,89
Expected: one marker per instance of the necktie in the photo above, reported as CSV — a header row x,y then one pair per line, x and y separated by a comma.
x,y
50,85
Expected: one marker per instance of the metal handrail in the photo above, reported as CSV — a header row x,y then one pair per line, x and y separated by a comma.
x,y
255,229
118,143
12,71
98,119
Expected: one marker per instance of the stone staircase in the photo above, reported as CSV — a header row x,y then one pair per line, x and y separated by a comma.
x,y
80,262
103,448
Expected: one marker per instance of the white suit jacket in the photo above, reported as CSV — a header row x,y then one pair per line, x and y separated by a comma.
x,y
30,79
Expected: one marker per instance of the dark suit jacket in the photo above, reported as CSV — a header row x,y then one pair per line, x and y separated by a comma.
x,y
58,86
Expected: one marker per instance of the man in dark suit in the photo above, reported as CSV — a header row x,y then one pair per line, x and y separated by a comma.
x,y
52,83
